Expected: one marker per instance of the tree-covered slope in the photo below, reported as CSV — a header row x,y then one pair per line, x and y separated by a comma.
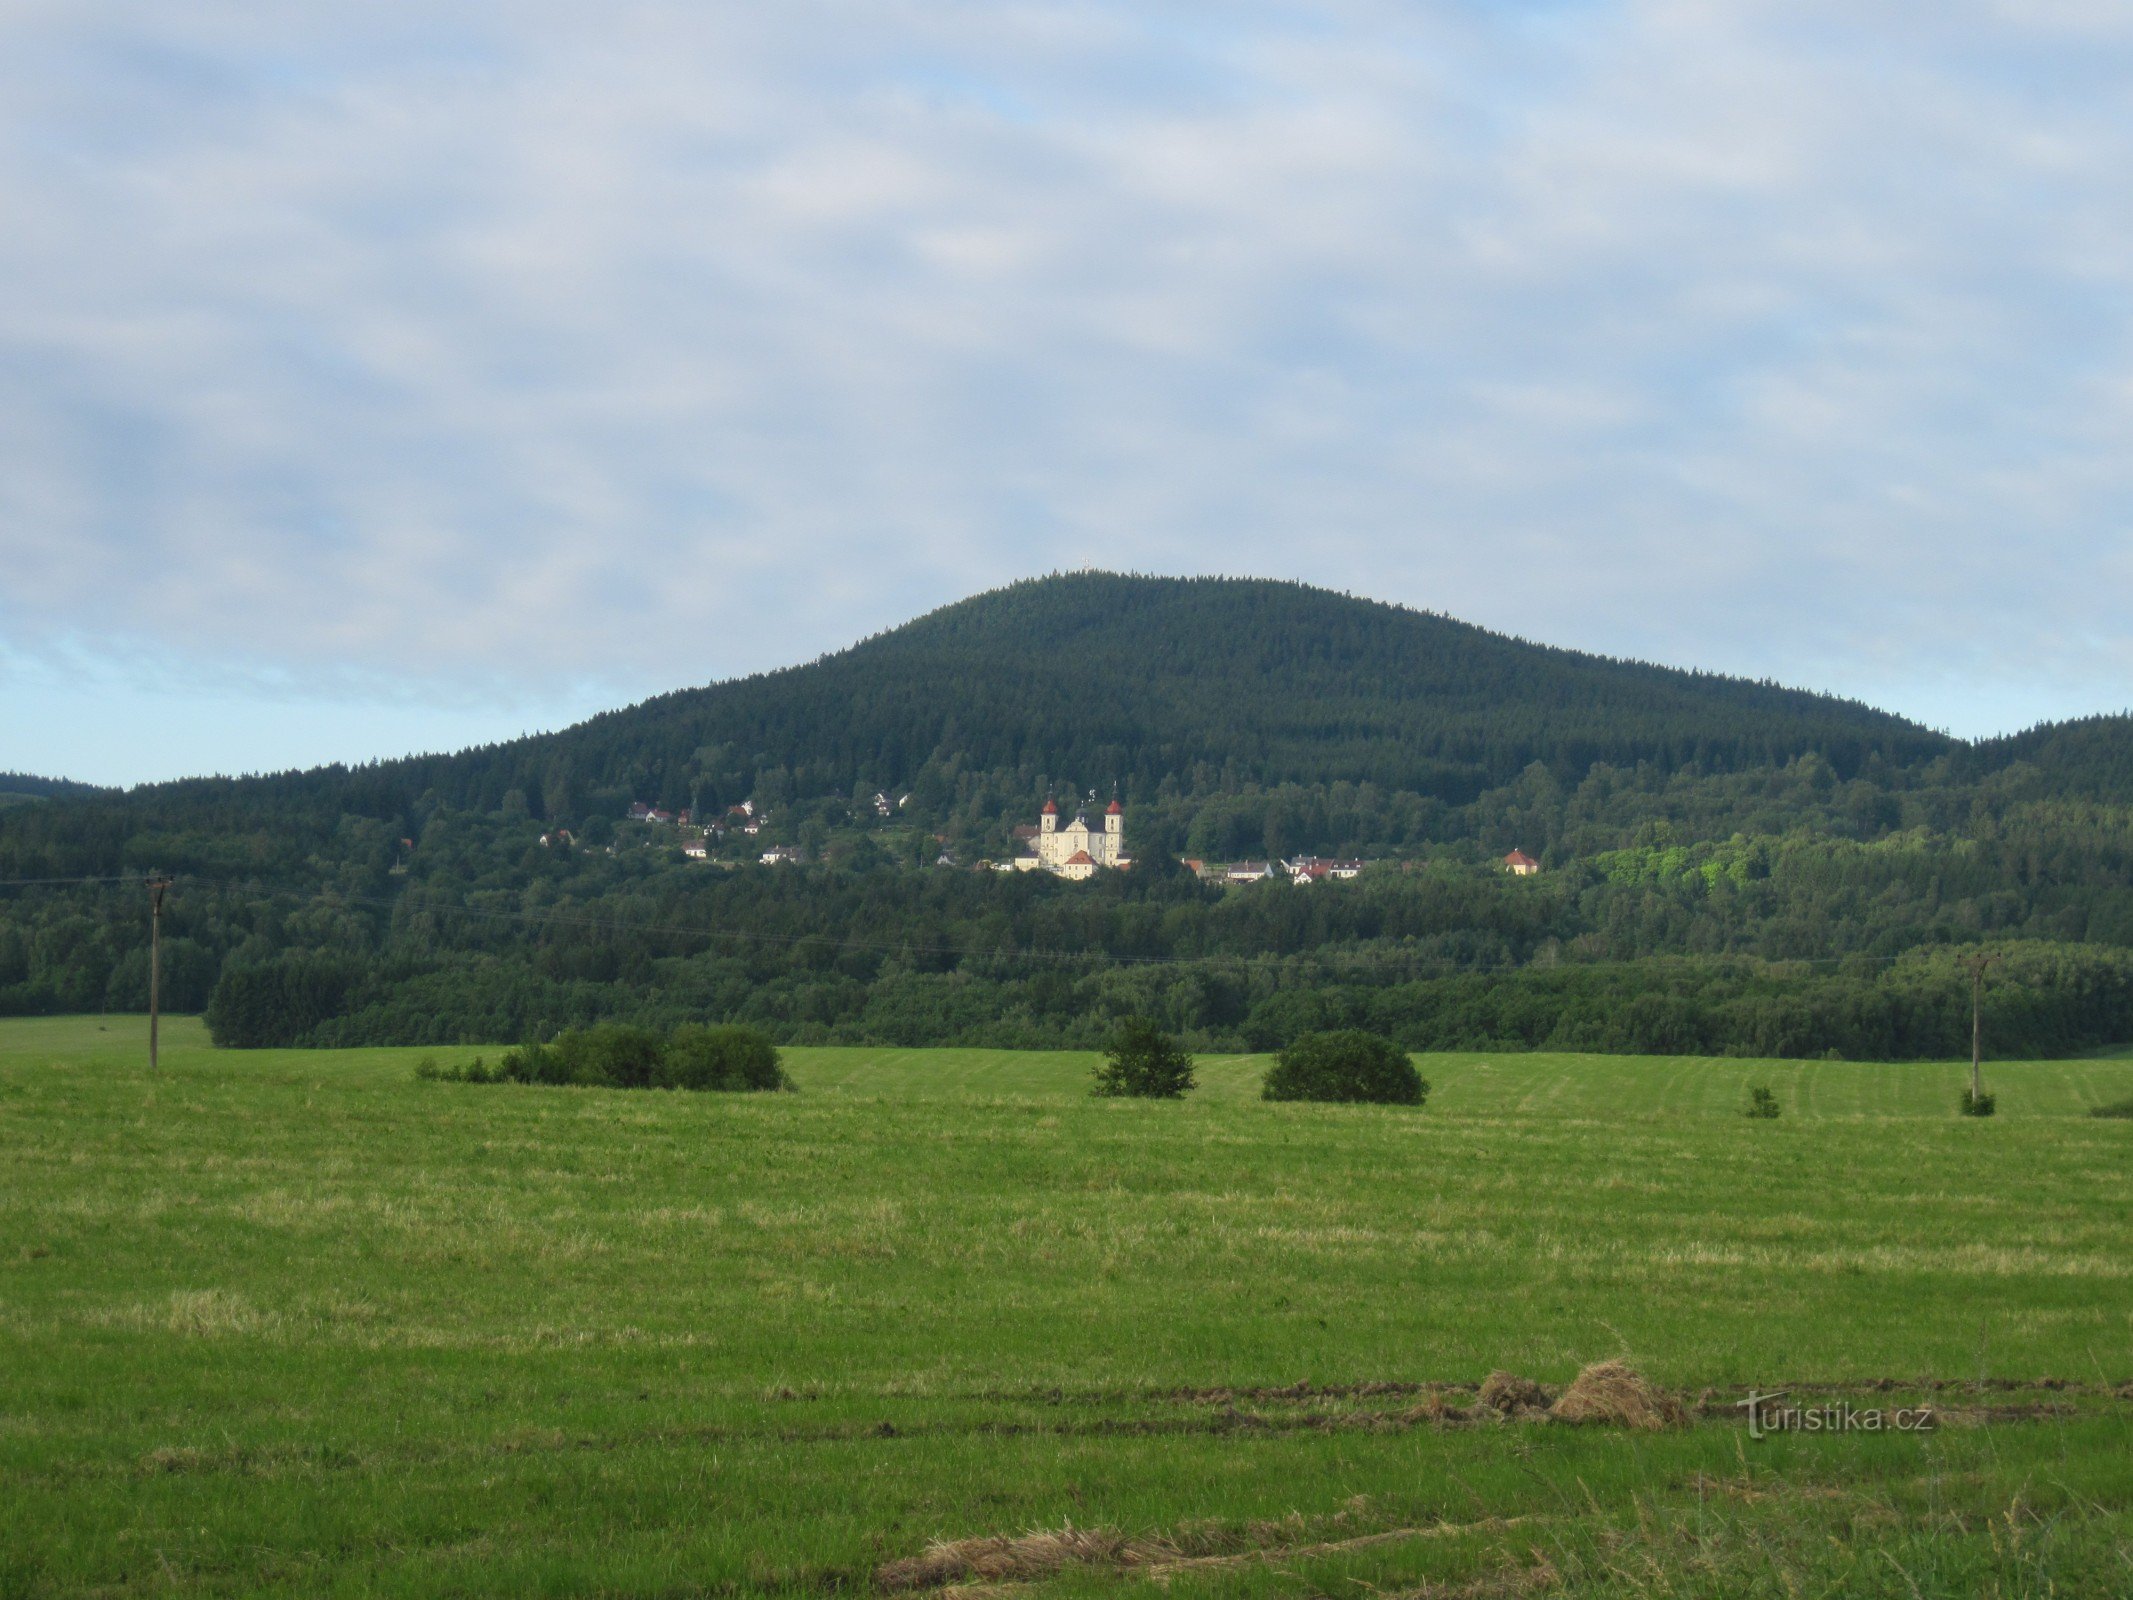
x,y
1099,678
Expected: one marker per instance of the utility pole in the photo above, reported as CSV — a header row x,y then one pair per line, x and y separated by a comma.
x,y
157,883
1975,966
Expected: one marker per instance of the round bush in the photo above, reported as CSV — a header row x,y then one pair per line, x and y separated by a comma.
x,y
730,1058
1350,1066
1145,1062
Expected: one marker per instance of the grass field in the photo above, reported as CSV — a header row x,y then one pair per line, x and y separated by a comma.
x,y
297,1323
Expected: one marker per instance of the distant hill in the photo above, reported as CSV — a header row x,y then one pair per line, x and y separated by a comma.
x,y
18,787
1102,678
1202,684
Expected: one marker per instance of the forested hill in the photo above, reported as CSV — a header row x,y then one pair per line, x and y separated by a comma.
x,y
1203,685
1185,686
1211,683
23,786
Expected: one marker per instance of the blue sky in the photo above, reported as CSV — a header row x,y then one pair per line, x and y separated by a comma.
x,y
402,376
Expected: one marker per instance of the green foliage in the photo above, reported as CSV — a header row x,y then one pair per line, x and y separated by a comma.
x,y
623,1056
1347,1065
1979,1105
1145,1062
273,1001
1761,1102
698,1057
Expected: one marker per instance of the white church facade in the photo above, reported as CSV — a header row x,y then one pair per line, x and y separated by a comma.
x,y
1078,849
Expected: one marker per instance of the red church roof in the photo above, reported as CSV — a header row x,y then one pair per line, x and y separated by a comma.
x,y
1114,809
1050,810
1080,858
1518,858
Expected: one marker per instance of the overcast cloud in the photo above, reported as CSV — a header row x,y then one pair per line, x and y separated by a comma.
x,y
405,374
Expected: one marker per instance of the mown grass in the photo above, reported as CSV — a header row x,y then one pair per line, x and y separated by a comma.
x,y
295,1322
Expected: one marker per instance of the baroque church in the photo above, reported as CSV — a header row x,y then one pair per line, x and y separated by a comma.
x,y
1076,850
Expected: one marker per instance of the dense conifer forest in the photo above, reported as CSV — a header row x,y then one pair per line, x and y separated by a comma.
x,y
1727,866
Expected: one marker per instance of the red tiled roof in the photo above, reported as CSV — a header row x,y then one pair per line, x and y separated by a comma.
x,y
1518,858
1080,858
1114,809
1050,810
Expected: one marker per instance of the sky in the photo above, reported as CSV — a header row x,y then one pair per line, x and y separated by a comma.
x,y
403,376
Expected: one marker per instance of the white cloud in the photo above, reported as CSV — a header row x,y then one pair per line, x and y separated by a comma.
x,y
534,345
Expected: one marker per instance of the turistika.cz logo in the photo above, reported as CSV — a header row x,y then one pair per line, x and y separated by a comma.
x,y
1766,1416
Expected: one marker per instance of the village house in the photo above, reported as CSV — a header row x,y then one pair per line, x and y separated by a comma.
x,y
1316,869
697,849
1248,871
780,855
1078,849
1520,865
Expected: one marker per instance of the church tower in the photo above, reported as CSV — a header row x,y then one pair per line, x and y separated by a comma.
x,y
1114,831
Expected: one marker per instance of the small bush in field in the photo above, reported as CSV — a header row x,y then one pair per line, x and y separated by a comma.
x,y
1979,1105
1348,1065
622,1056
1143,1061
1761,1102
2117,1108
698,1057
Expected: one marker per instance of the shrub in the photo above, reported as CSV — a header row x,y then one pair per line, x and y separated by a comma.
x,y
1978,1105
618,1056
2117,1108
698,1057
1143,1061
475,1071
1761,1102
1349,1065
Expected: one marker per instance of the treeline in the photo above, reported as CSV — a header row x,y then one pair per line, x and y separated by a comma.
x,y
2046,1000
2059,870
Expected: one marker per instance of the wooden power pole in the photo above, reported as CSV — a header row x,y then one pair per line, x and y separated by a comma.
x,y
1975,966
157,883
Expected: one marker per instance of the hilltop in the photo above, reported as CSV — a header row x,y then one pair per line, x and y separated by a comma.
x,y
1203,684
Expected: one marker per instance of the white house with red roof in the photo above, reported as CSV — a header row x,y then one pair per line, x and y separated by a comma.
x,y
1078,849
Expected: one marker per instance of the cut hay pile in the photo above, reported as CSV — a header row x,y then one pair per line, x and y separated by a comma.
x,y
989,1568
1610,1393
1433,1407
1512,1395
997,1559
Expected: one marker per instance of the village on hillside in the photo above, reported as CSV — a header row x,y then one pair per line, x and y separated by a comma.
x,y
1076,849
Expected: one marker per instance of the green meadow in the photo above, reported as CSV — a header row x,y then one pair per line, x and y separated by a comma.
x,y
298,1323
